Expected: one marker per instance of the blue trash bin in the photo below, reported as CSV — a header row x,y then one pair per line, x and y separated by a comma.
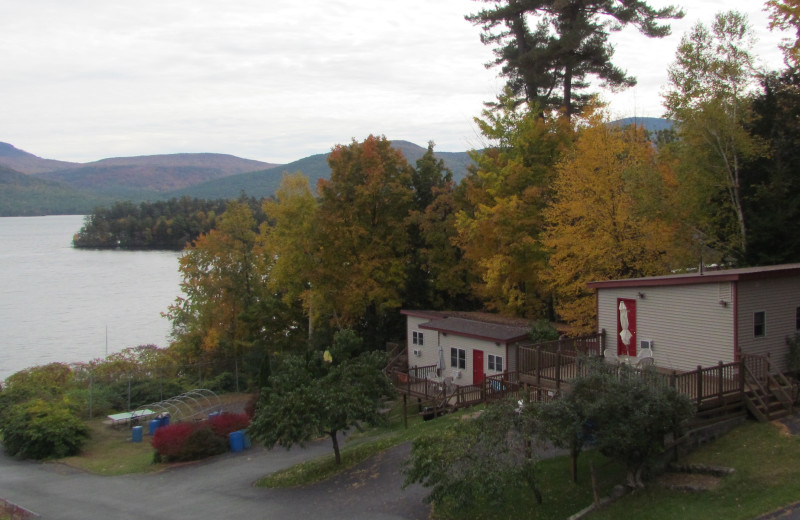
x,y
164,420
152,426
136,434
236,440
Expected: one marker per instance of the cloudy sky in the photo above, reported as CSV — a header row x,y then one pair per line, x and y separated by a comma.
x,y
82,80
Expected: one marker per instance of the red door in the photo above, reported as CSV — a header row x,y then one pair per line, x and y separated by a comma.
x,y
626,327
477,367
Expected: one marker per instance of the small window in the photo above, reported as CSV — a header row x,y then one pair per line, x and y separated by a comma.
x,y
797,319
759,324
458,358
416,338
495,363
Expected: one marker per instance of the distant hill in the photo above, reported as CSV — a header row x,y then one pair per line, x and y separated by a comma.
x,y
147,177
25,195
25,162
64,187
263,183
651,124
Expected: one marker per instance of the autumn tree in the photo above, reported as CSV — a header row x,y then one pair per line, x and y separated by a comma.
x,y
499,228
361,238
709,96
607,218
222,285
549,49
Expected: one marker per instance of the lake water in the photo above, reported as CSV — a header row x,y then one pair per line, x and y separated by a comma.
x,y
59,304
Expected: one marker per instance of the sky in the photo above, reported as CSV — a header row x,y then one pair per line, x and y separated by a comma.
x,y
276,81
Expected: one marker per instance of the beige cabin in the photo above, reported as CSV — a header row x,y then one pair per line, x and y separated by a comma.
x,y
699,319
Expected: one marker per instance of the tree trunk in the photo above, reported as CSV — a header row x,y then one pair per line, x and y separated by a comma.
x,y
336,454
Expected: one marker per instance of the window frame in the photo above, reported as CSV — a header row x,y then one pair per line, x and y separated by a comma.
x,y
494,361
458,358
759,324
417,338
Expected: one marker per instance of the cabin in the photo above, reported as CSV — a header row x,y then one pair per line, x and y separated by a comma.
x,y
464,346
685,321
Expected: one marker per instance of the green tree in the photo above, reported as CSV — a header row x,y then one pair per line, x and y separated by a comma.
x,y
499,228
309,397
477,461
709,96
550,65
785,15
770,184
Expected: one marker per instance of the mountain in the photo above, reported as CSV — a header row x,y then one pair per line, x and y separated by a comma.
x,y
25,162
651,124
58,187
25,195
148,177
263,183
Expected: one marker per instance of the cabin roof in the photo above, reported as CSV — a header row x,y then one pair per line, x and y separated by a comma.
x,y
707,276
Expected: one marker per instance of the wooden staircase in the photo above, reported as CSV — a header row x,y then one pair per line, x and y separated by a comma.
x,y
767,395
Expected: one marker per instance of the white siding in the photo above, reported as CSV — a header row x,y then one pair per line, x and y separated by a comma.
x,y
469,345
779,299
429,350
687,323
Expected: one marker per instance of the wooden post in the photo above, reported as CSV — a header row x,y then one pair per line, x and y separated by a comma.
x,y
538,366
699,385
672,378
558,370
405,411
720,388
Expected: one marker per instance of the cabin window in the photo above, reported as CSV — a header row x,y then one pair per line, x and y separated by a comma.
x,y
759,324
416,338
458,358
797,319
495,363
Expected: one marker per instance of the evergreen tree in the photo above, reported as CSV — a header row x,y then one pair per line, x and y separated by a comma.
x,y
549,66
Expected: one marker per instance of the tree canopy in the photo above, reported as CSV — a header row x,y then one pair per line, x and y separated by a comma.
x,y
549,49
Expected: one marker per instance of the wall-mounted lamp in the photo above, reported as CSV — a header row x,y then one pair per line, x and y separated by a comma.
x,y
640,295
723,303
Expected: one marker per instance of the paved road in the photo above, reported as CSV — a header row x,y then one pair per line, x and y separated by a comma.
x,y
217,488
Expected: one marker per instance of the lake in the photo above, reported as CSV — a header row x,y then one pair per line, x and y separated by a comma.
x,y
59,304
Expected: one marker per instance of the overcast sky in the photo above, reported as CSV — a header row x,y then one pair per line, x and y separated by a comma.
x,y
82,80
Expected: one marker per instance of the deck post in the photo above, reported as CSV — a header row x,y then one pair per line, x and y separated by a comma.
x,y
699,385
719,379
538,366
558,370
405,411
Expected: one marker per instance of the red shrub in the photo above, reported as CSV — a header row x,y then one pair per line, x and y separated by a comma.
x,y
226,423
168,440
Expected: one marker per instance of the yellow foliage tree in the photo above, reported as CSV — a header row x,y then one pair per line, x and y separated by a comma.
x,y
607,220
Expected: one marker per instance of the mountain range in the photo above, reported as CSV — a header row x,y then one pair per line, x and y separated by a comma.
x,y
31,185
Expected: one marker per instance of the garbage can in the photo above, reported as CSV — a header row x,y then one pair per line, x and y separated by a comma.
x,y
236,440
136,434
164,420
152,426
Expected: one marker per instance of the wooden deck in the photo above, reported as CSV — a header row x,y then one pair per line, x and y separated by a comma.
x,y
717,392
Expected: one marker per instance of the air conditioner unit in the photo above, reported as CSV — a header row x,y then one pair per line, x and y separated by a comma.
x,y
646,343
457,374
417,352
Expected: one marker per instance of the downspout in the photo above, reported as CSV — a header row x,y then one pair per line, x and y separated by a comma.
x,y
736,351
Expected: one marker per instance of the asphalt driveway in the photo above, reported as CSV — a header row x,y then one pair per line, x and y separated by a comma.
x,y
218,488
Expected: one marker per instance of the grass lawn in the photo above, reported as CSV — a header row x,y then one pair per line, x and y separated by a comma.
x,y
767,476
110,451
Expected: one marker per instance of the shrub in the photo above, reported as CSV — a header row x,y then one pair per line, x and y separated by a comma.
x,y
168,440
40,429
226,423
202,443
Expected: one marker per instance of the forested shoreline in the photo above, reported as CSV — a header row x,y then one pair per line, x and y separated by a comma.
x,y
162,225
